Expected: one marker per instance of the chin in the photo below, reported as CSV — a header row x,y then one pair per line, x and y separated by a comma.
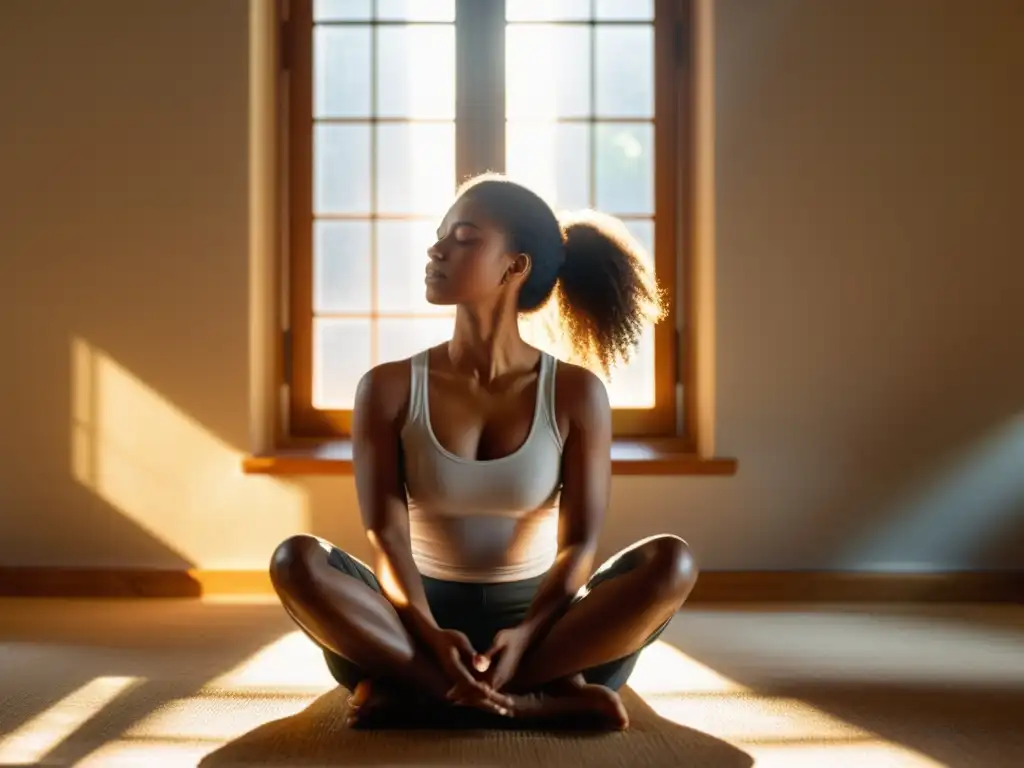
x,y
438,298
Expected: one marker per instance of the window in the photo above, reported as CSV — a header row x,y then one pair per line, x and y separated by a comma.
x,y
392,102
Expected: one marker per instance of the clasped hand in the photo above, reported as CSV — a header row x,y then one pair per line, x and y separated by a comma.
x,y
478,678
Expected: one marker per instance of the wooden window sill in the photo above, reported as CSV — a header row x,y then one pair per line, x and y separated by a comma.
x,y
629,457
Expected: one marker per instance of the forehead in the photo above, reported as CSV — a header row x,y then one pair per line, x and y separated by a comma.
x,y
467,209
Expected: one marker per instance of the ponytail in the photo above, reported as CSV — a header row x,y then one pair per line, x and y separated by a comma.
x,y
607,293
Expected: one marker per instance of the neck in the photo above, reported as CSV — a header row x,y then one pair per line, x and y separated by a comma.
x,y
486,343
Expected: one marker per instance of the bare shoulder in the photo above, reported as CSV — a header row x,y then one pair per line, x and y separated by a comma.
x,y
383,391
580,395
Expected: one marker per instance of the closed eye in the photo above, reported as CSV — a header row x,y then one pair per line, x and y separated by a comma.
x,y
462,230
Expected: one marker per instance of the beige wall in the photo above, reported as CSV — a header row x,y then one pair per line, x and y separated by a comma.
x,y
870,258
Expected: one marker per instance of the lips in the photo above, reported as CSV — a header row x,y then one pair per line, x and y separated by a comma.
x,y
434,274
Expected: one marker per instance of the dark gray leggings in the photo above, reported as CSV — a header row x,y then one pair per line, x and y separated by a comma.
x,y
482,610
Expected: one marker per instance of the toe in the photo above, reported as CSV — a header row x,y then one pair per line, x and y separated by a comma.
x,y
361,694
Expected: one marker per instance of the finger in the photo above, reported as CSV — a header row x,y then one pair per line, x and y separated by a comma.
x,y
464,683
486,678
463,690
455,665
500,676
501,705
498,709
501,700
463,644
497,646
494,695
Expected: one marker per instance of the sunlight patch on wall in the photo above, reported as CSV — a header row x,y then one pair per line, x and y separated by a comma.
x,y
30,743
170,475
965,506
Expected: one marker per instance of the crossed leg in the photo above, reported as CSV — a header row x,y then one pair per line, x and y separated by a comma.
x,y
625,602
633,594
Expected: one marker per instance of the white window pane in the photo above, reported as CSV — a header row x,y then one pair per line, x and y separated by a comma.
x,y
625,168
401,259
643,231
341,355
341,71
624,80
415,168
416,10
547,71
401,338
640,10
632,385
341,10
341,266
552,159
416,71
547,10
341,168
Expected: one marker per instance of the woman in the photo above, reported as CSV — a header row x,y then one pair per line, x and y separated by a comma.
x,y
482,470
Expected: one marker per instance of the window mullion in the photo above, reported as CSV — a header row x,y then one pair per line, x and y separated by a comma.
x,y
480,87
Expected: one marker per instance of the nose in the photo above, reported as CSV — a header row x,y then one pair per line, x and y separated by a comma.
x,y
434,252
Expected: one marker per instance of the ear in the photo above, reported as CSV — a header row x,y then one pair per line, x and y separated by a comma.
x,y
518,269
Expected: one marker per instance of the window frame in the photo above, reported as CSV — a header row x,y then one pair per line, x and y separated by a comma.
x,y
480,145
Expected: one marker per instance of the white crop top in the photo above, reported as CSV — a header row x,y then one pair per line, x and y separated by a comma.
x,y
483,521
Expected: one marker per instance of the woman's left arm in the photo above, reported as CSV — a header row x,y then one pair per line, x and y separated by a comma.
x,y
586,482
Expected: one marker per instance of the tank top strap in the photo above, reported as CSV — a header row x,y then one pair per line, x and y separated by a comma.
x,y
546,393
419,375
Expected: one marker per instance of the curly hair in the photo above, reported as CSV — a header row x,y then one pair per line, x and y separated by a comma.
x,y
606,293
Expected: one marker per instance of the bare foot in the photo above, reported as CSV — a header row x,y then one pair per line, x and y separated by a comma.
x,y
573,703
376,704
570,703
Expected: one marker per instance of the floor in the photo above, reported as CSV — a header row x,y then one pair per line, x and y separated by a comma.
x,y
179,683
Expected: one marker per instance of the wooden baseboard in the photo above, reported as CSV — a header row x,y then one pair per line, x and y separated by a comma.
x,y
129,582
713,587
858,587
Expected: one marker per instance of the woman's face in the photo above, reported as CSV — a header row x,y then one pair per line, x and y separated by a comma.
x,y
470,259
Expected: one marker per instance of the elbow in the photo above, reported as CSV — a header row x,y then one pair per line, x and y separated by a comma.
x,y
577,563
582,551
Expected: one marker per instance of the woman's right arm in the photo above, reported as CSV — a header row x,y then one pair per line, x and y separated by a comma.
x,y
380,406
376,450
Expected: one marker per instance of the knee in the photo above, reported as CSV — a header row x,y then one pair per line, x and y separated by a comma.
x,y
290,563
674,569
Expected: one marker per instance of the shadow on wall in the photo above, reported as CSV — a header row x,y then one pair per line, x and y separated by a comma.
x,y
169,475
